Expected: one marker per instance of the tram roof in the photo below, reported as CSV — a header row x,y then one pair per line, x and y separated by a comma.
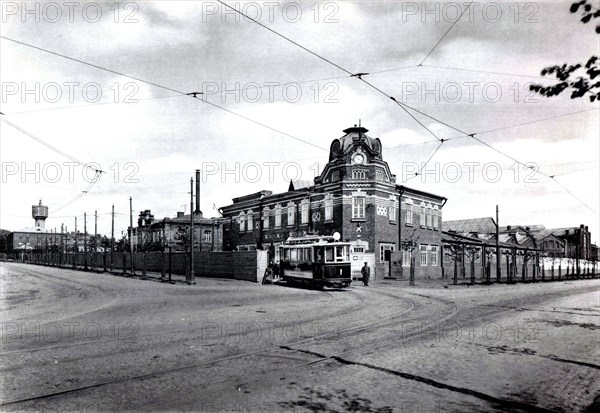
x,y
314,239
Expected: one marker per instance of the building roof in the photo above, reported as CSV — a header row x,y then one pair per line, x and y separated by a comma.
x,y
299,184
358,132
403,189
485,225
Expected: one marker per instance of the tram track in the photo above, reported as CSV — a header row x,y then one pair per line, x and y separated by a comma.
x,y
343,358
272,351
448,311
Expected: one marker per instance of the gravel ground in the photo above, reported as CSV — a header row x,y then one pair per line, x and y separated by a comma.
x,y
86,341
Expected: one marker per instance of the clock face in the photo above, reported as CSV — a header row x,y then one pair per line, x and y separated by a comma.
x,y
358,158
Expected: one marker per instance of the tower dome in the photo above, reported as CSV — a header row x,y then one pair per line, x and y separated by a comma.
x,y
354,137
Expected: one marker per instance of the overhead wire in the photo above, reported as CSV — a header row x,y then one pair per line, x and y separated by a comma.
x,y
484,72
52,147
402,105
163,87
445,34
90,105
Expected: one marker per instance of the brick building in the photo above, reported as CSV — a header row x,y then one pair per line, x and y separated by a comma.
x,y
36,237
356,195
158,235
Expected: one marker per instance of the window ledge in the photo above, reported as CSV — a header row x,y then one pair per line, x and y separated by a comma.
x,y
408,224
358,220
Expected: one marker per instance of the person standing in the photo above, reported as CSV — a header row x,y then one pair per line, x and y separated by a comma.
x,y
366,274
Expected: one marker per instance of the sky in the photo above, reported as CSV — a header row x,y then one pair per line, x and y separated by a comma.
x,y
271,109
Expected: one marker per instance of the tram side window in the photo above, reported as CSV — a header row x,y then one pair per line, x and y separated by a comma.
x,y
293,254
342,254
286,254
319,254
328,254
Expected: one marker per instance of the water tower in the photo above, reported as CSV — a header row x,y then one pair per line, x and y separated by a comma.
x,y
39,213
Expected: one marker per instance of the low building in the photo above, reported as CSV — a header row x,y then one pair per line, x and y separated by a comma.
x,y
36,237
174,233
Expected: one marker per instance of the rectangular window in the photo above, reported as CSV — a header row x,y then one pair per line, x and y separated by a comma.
x,y
278,216
392,210
446,256
435,219
428,216
328,208
358,207
329,254
207,236
406,256
433,255
242,221
304,215
422,213
250,219
291,214
358,250
266,217
335,176
423,249
408,218
379,175
383,248
277,247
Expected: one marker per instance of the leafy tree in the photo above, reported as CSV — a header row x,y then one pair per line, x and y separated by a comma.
x,y
579,78
122,245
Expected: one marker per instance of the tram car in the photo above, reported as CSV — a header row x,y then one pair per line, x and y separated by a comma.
x,y
318,261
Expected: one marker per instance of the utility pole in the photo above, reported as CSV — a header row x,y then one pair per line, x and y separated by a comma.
x,y
198,203
95,238
85,241
131,234
112,239
76,252
498,256
62,242
191,280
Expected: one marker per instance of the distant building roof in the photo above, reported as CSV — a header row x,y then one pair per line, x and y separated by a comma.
x,y
299,184
473,225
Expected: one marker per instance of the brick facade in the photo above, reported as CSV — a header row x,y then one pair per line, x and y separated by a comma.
x,y
355,195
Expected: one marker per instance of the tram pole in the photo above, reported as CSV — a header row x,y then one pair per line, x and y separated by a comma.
x,y
112,239
191,280
131,235
498,263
